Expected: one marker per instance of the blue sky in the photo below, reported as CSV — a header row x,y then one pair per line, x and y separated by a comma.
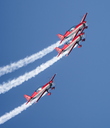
x,y
81,98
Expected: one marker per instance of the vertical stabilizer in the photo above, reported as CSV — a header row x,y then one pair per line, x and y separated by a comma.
x,y
60,36
27,97
59,50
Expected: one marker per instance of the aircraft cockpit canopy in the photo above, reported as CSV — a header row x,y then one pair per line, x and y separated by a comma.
x,y
37,90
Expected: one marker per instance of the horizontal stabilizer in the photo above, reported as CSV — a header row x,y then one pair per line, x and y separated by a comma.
x,y
60,36
27,97
59,50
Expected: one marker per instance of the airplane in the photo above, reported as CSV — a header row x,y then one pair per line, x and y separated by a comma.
x,y
74,30
68,47
40,92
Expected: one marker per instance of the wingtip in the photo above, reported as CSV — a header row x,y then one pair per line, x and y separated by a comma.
x,y
55,74
53,77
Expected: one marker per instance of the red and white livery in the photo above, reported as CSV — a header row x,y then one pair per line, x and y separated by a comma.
x,y
73,31
68,47
40,92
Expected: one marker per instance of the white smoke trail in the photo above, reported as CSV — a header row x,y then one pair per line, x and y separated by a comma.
x,y
13,113
23,62
15,82
17,111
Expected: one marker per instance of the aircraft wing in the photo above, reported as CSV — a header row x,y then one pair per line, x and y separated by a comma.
x,y
78,32
53,77
75,34
71,49
84,17
82,30
41,95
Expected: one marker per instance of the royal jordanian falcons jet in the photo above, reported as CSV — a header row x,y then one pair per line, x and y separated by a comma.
x,y
74,30
68,47
40,92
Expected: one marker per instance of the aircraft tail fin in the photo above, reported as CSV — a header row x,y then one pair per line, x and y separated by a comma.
x,y
59,50
27,97
60,36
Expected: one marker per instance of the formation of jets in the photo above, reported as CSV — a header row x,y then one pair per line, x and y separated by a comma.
x,y
68,47
73,36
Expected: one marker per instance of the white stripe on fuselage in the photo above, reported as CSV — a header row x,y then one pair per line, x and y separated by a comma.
x,y
41,91
71,44
75,30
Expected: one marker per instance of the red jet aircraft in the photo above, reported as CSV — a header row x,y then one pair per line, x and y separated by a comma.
x,y
74,31
68,47
40,92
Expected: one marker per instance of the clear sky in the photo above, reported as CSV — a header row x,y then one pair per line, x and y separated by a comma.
x,y
82,95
